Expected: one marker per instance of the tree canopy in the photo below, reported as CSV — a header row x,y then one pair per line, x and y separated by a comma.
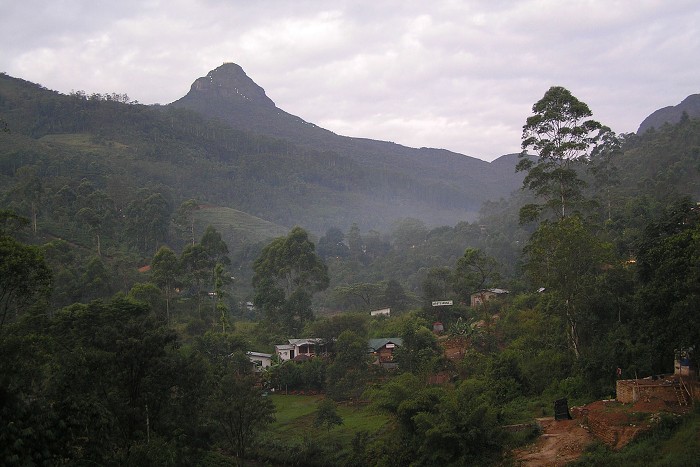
x,y
287,273
561,134
25,278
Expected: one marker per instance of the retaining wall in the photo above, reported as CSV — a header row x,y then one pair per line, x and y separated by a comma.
x,y
633,390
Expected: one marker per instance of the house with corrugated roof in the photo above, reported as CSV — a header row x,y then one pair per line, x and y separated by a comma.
x,y
301,349
382,350
260,360
483,296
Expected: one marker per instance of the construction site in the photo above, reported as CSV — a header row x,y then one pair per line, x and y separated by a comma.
x,y
637,407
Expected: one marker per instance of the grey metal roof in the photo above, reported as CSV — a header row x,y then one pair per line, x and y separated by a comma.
x,y
308,340
375,344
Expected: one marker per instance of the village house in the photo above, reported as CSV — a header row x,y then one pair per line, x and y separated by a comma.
x,y
260,360
382,350
301,349
382,312
284,351
483,296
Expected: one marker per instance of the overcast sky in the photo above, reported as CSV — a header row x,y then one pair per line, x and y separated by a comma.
x,y
459,75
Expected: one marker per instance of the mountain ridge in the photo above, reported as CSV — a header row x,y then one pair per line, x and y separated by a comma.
x,y
671,114
227,143
219,95
330,182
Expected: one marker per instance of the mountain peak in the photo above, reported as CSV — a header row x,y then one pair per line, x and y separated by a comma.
x,y
672,114
230,83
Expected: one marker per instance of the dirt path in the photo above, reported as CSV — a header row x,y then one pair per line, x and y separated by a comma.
x,y
561,442
607,421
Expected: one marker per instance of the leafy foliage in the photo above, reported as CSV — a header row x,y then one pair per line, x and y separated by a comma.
x,y
348,373
24,278
565,258
240,411
287,273
327,415
561,136
669,295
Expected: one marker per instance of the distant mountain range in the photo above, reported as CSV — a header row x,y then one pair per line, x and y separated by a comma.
x,y
228,145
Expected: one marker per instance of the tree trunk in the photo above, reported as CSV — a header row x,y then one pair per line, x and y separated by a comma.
x,y
572,332
563,199
167,304
34,210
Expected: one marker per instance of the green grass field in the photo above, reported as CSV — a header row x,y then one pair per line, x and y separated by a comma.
x,y
295,419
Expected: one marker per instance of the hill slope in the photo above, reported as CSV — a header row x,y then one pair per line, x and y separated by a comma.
x,y
313,178
671,114
229,95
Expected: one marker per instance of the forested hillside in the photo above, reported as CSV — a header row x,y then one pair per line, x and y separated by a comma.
x,y
672,114
266,174
146,251
435,178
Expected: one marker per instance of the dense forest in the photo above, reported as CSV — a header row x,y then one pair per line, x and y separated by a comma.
x,y
144,253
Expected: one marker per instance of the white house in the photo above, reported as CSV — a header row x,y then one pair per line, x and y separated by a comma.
x,y
260,360
285,351
301,348
382,312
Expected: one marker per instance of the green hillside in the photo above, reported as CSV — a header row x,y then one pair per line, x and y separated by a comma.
x,y
236,224
109,140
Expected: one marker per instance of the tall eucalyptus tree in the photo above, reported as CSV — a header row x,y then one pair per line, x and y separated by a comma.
x,y
561,133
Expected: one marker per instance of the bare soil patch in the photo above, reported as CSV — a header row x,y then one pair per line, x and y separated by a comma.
x,y
454,347
610,422
561,442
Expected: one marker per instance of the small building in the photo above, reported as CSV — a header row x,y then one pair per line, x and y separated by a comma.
x,y
681,388
382,350
669,389
310,347
683,364
285,351
260,360
296,348
382,312
483,296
